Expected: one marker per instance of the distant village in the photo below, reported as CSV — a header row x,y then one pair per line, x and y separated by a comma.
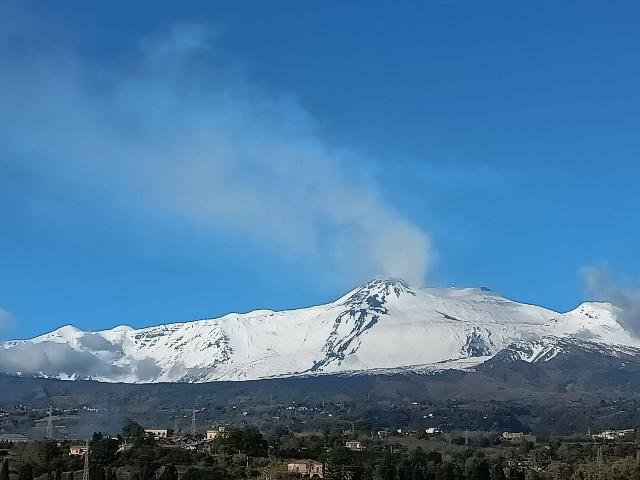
x,y
313,440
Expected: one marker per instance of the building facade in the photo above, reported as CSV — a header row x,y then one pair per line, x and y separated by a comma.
x,y
157,433
306,468
216,432
353,445
76,450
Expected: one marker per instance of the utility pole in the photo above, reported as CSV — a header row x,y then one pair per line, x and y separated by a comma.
x,y
49,433
85,470
193,422
175,424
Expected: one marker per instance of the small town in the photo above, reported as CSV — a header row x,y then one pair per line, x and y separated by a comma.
x,y
193,451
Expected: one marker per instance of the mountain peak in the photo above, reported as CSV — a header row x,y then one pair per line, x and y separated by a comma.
x,y
122,328
387,286
378,290
383,324
66,331
376,293
596,312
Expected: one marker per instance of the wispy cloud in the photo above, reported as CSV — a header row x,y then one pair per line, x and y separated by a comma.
x,y
624,293
180,133
97,343
60,360
5,319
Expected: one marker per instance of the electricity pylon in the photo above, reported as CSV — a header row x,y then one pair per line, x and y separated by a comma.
x,y
49,433
85,470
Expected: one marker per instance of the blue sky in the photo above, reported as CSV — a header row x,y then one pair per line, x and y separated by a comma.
x,y
168,162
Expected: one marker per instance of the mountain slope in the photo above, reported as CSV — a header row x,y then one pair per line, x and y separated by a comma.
x,y
384,324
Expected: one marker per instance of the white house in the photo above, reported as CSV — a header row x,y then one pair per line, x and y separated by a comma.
x,y
353,445
613,434
306,468
518,437
157,433
212,434
79,449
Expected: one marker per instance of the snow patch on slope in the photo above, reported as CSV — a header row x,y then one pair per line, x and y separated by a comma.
x,y
383,325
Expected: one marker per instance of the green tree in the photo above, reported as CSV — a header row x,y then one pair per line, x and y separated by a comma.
x,y
193,473
448,471
435,457
4,473
496,472
26,472
246,440
476,469
169,473
99,473
132,429
103,449
148,472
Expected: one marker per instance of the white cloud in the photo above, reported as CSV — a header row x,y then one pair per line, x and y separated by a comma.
x,y
96,343
51,358
61,360
181,135
624,293
146,370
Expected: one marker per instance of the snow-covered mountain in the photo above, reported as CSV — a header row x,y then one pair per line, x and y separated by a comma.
x,y
382,325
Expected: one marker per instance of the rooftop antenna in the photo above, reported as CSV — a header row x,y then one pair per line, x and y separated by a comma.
x,y
193,421
49,433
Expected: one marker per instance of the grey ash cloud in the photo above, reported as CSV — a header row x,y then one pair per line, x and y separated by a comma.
x,y
59,359
185,137
96,342
603,285
146,370
52,358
